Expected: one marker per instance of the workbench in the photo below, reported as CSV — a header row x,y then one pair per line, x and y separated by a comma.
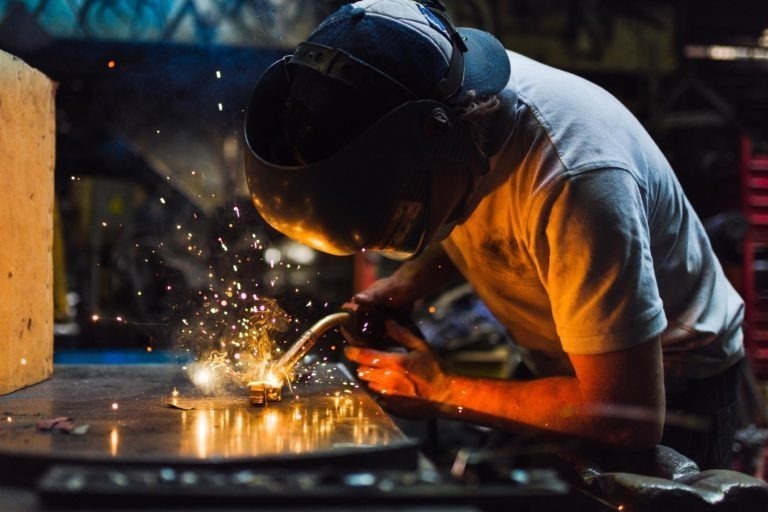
x,y
327,443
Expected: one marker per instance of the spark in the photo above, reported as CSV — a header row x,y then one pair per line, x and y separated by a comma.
x,y
23,361
111,64
221,107
218,74
114,406
162,200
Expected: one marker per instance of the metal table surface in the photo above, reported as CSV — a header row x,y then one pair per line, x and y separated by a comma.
x,y
325,423
327,445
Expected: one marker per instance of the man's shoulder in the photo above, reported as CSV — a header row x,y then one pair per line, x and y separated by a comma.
x,y
586,125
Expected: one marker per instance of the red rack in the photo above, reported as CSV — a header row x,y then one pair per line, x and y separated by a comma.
x,y
754,187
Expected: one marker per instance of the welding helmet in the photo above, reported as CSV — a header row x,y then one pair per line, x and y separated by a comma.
x,y
402,181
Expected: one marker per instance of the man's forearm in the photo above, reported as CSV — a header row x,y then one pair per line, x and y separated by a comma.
x,y
546,407
429,272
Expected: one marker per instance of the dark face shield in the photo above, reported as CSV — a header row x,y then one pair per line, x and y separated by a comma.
x,y
391,189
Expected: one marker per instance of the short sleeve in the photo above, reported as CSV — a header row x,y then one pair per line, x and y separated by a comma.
x,y
591,244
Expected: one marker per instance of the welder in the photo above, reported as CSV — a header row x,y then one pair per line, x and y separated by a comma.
x,y
391,130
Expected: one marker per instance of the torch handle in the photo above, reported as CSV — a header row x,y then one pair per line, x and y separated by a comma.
x,y
308,339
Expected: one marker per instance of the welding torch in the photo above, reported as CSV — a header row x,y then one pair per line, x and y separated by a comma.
x,y
307,340
259,393
366,325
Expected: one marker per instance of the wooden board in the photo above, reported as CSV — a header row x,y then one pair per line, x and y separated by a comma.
x,y
27,154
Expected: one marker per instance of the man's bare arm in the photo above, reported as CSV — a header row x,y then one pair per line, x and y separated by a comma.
x,y
412,281
615,398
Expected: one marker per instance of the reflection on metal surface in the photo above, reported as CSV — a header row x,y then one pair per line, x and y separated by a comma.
x,y
114,441
328,419
297,426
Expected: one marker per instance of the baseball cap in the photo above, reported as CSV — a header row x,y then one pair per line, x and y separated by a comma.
x,y
411,43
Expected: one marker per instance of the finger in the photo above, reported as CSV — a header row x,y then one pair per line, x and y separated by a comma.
x,y
368,374
380,294
391,388
405,337
370,357
376,376
363,298
352,338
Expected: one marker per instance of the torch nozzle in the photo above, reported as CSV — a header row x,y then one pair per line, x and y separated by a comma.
x,y
307,340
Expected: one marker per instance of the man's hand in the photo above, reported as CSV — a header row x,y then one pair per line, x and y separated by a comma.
x,y
416,375
392,293
614,399
387,297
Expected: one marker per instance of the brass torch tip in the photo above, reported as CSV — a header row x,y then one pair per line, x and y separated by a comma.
x,y
259,393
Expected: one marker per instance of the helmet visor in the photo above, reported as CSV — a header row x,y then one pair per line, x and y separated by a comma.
x,y
390,189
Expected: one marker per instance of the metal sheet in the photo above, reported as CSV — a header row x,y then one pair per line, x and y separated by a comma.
x,y
321,422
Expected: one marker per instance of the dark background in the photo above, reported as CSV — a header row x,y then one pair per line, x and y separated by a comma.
x,y
150,102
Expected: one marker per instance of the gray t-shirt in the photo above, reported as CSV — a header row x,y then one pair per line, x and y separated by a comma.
x,y
587,244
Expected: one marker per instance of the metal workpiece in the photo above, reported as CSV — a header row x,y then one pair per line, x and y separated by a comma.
x,y
133,418
260,393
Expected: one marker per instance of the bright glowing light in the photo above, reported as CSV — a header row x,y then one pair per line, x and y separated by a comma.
x,y
273,255
114,442
111,64
300,253
23,361
203,377
115,406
